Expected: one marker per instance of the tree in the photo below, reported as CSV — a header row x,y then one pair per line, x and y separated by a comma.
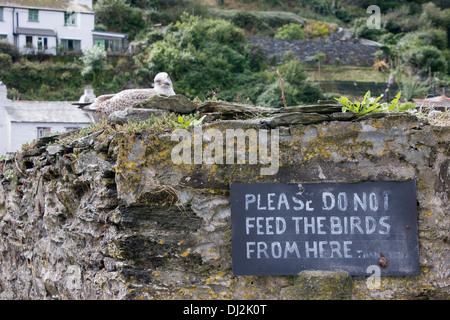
x,y
94,60
119,16
296,89
202,54
427,58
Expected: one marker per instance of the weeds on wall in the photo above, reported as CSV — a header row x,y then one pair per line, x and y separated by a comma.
x,y
371,104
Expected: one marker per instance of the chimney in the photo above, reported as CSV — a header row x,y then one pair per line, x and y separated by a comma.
x,y
88,96
87,3
3,92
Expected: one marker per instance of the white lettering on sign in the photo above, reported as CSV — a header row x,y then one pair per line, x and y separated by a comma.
x,y
361,202
359,217
273,201
293,249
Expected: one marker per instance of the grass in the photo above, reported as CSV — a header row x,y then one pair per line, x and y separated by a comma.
x,y
345,73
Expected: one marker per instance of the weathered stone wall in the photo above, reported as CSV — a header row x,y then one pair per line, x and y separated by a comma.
x,y
348,52
110,216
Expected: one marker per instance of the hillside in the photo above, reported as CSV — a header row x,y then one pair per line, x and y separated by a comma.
x,y
416,54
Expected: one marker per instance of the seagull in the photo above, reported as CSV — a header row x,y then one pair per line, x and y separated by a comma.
x,y
109,103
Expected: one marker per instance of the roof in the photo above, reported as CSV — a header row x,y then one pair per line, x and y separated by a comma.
x,y
108,34
36,32
58,5
46,112
435,101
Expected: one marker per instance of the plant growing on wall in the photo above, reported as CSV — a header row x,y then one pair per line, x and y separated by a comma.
x,y
370,104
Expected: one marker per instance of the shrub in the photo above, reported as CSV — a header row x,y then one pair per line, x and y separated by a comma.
x,y
317,29
426,58
320,30
5,60
296,89
290,31
200,54
429,37
360,30
204,54
9,48
93,60
119,16
248,21
262,22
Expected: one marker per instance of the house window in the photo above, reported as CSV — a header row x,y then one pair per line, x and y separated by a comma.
x,y
70,18
42,43
109,45
29,41
71,45
33,15
1,15
43,131
3,36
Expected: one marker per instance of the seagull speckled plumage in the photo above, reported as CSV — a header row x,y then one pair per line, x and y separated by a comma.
x,y
109,103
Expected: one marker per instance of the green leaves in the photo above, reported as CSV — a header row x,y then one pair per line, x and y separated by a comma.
x,y
187,121
370,105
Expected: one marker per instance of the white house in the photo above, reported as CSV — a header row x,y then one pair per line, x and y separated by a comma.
x,y
43,25
24,121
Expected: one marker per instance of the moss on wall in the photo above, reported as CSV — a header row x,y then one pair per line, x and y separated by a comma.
x,y
111,215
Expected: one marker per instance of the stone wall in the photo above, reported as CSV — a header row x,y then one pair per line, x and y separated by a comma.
x,y
110,216
348,52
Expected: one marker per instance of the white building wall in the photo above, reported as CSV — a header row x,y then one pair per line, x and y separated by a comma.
x,y
51,44
5,128
83,30
53,20
23,132
6,24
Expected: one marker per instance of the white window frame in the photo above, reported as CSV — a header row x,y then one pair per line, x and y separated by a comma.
x,y
43,131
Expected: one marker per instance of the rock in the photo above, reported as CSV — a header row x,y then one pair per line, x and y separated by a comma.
x,y
86,141
231,111
115,218
33,152
43,141
320,285
317,108
52,150
293,118
177,103
134,114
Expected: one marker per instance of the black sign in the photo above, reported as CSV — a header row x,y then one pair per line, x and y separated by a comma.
x,y
282,229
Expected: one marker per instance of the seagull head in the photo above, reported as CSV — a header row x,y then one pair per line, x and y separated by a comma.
x,y
163,84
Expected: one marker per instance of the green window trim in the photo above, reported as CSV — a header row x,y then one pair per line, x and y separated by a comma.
x,y
33,15
70,18
1,14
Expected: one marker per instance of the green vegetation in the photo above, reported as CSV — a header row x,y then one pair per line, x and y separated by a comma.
x,y
206,52
290,31
370,104
167,123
